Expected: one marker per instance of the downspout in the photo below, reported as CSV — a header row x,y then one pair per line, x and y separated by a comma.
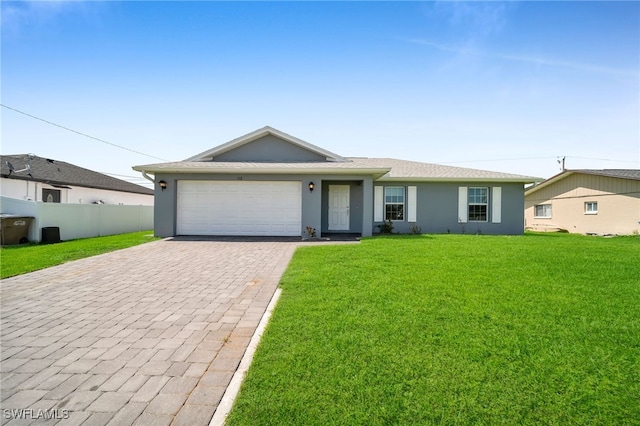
x,y
149,178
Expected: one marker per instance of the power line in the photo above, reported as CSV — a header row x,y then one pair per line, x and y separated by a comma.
x,y
602,159
140,181
536,158
127,176
497,159
82,134
137,180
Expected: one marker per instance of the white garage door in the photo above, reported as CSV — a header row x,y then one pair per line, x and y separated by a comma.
x,y
239,208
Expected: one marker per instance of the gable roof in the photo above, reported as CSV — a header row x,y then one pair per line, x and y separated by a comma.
x,y
631,174
382,169
257,134
61,174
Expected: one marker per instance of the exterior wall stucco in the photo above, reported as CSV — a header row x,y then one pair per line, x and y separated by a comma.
x,y
269,148
437,209
437,204
618,205
166,201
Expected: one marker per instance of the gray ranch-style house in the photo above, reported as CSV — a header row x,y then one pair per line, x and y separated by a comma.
x,y
269,183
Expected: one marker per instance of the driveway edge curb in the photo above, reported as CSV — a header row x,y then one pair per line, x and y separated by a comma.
x,y
229,397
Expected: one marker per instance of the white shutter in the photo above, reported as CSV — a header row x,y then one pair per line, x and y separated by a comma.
x,y
496,204
378,203
412,201
463,213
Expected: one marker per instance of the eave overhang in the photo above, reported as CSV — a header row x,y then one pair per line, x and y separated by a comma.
x,y
257,170
459,179
562,175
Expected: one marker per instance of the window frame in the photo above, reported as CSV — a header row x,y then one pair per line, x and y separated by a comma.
x,y
470,216
402,204
535,211
590,203
55,194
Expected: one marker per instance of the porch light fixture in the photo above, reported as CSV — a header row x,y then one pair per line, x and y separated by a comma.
x,y
311,186
163,185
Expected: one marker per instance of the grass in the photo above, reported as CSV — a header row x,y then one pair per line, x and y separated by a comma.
x,y
452,329
16,260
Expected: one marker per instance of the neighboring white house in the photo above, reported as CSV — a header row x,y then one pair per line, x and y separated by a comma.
x,y
81,203
32,178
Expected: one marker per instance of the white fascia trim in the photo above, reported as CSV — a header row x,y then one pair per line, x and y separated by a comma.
x,y
457,180
272,171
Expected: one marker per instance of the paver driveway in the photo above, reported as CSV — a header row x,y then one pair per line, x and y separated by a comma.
x,y
146,335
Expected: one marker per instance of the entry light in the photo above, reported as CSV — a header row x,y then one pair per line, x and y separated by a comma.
x,y
163,185
311,186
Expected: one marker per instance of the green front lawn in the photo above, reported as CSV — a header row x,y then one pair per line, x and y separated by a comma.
x,y
452,329
16,260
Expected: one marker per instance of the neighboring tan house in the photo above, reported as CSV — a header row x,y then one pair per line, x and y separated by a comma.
x,y
269,183
32,178
586,202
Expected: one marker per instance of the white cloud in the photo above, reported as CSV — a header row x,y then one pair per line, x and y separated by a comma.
x,y
534,60
479,18
20,16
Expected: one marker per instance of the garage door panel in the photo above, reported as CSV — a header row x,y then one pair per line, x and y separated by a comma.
x,y
239,208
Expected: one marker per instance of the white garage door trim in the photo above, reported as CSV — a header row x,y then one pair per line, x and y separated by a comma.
x,y
250,208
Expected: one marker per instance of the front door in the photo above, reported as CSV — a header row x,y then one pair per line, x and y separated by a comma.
x,y
338,207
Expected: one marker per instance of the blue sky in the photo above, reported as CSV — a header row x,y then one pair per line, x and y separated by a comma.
x,y
504,86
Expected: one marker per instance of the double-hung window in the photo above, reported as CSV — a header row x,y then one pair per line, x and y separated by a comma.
x,y
394,203
542,211
591,207
478,201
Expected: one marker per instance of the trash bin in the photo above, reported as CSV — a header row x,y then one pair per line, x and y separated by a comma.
x,y
50,235
15,229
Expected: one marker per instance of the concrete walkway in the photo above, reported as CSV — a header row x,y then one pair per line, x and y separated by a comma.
x,y
149,335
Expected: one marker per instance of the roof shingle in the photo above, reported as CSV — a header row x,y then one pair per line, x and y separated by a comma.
x,y
408,170
56,172
633,174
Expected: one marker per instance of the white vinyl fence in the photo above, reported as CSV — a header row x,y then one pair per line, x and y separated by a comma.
x,y
80,220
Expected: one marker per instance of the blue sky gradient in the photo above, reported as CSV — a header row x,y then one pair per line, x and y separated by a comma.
x,y
505,86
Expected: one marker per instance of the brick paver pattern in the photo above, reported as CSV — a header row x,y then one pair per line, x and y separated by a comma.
x,y
147,335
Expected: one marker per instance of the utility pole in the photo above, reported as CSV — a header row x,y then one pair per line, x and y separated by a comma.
x,y
561,162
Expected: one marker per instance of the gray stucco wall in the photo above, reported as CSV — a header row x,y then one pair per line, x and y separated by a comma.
x,y
437,210
269,148
312,202
437,204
